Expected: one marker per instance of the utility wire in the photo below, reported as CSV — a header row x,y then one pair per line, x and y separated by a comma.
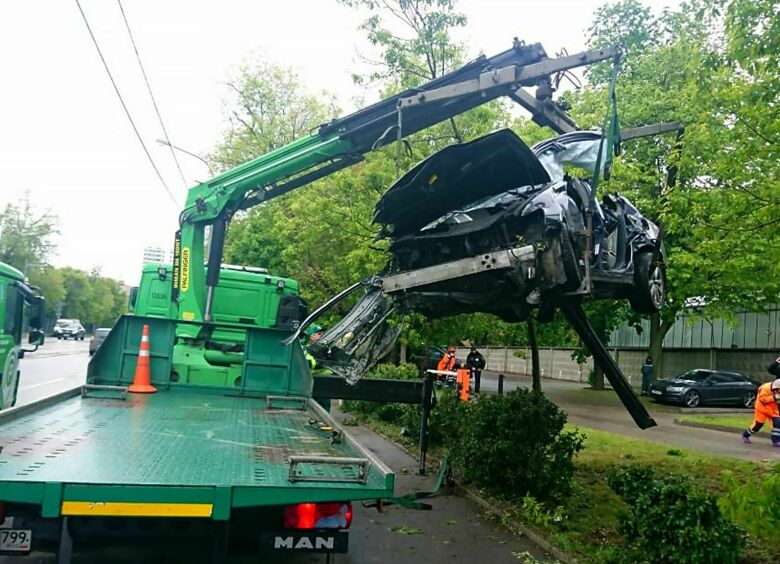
x,y
124,106
149,88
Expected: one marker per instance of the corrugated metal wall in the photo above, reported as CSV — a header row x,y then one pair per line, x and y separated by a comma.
x,y
755,331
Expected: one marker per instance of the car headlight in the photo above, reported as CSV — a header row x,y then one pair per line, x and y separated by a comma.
x,y
675,388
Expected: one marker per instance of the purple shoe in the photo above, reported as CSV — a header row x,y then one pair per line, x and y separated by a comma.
x,y
747,441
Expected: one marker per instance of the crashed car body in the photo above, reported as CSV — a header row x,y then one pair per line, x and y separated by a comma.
x,y
495,226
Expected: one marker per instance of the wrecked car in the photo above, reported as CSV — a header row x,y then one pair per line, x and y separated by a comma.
x,y
494,226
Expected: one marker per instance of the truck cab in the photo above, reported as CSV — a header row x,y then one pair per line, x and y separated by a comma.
x,y
21,308
244,297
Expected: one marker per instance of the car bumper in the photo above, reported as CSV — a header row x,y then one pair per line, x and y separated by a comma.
x,y
667,396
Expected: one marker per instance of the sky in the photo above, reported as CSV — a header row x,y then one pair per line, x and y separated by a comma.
x,y
66,141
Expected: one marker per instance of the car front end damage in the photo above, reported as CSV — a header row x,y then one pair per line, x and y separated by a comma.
x,y
497,227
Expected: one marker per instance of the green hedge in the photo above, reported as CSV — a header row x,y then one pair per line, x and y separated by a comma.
x,y
671,521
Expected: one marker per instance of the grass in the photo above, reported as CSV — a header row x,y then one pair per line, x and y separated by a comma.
x,y
736,422
590,529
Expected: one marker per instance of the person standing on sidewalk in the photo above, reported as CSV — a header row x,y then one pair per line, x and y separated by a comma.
x,y
475,362
647,375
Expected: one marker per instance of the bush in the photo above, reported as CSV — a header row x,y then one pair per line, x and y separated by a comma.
x,y
513,445
754,506
385,411
670,521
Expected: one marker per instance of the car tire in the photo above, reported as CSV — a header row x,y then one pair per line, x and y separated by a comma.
x,y
749,400
649,292
692,398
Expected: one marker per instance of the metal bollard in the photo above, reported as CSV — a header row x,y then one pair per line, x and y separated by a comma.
x,y
500,384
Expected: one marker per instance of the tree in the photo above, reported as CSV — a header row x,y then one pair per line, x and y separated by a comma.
x,y
26,235
685,69
52,284
267,109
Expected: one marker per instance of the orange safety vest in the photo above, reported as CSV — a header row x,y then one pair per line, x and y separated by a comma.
x,y
464,377
766,404
446,363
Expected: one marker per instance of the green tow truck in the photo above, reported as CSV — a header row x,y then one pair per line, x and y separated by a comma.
x,y
18,302
232,446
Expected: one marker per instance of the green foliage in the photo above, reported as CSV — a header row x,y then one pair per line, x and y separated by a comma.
x,y
422,50
26,236
754,506
515,445
671,521
91,298
268,109
394,412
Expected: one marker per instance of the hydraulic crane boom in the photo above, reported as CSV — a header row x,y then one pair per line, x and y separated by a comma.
x,y
339,144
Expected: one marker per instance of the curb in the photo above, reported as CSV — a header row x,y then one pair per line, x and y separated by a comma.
x,y
711,427
532,535
490,508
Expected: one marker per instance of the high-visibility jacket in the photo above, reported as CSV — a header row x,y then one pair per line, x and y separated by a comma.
x,y
464,381
766,404
447,363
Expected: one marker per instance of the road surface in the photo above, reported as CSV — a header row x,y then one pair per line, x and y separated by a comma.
x,y
54,367
602,410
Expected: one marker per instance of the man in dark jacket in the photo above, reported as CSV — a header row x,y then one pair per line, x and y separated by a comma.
x,y
647,375
475,362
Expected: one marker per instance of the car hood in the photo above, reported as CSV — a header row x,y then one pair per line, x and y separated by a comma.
x,y
455,176
676,382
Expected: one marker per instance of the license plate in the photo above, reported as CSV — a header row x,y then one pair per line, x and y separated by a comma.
x,y
656,392
15,540
315,541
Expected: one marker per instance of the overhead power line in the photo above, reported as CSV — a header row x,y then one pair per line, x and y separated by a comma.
x,y
124,106
151,95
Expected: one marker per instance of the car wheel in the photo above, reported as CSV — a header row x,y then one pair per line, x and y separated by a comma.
x,y
649,292
692,398
749,400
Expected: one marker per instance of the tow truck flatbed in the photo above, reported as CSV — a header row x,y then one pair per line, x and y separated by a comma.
x,y
181,453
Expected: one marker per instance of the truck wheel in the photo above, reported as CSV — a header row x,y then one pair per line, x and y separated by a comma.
x,y
10,379
649,292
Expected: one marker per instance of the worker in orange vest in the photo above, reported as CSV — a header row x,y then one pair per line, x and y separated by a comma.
x,y
464,380
767,402
447,360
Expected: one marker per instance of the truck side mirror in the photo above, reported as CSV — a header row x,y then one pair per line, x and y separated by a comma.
x,y
132,299
36,337
37,314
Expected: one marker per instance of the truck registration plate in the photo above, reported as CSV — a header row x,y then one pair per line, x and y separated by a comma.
x,y
15,540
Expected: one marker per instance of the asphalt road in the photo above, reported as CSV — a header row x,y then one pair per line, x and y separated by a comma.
x,y
602,410
54,367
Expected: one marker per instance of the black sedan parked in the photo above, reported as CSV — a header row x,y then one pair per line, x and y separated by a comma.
x,y
706,387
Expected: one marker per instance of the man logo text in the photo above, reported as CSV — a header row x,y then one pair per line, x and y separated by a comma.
x,y
320,543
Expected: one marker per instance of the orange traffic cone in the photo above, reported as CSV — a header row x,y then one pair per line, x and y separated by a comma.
x,y
142,381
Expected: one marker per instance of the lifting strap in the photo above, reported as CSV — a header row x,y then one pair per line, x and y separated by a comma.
x,y
610,134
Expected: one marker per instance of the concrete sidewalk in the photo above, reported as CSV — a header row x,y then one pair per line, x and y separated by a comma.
x,y
603,410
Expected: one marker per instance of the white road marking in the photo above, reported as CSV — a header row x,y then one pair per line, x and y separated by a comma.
x,y
46,383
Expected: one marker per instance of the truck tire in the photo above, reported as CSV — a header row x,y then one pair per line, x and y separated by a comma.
x,y
649,292
10,379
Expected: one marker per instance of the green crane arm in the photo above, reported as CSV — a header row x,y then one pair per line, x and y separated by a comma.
x,y
339,144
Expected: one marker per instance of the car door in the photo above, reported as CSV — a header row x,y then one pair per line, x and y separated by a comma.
x,y
720,388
